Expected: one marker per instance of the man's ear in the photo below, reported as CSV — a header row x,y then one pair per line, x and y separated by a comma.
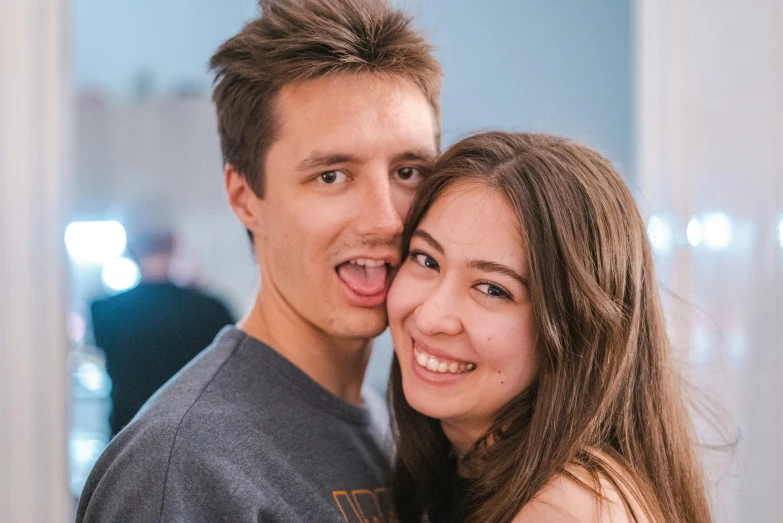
x,y
241,197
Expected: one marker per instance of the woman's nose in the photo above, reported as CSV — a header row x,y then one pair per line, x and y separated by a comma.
x,y
439,313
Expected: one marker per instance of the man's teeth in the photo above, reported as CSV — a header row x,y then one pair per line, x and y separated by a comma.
x,y
366,262
435,365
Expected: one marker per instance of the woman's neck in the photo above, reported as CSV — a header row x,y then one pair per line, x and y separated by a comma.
x,y
462,435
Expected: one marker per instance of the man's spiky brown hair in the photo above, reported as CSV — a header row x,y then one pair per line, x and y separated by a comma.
x,y
298,40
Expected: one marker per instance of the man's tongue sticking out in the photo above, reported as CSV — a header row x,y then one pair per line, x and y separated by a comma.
x,y
365,281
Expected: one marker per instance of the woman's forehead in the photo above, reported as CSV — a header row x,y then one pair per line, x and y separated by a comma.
x,y
471,216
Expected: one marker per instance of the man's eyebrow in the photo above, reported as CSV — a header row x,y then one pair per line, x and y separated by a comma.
x,y
429,239
421,155
322,159
489,266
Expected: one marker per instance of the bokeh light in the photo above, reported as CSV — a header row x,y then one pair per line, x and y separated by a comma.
x,y
694,232
718,231
120,274
660,233
95,242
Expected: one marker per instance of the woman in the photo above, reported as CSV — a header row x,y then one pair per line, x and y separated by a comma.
x,y
532,379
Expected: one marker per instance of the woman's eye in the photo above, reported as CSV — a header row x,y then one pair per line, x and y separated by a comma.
x,y
409,174
496,291
425,260
332,177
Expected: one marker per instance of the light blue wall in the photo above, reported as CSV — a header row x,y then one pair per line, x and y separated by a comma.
x,y
116,40
560,66
557,66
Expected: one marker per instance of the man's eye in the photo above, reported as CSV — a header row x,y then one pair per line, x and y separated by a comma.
x,y
409,174
493,290
424,260
332,177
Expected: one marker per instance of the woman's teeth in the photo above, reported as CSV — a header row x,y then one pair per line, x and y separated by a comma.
x,y
435,365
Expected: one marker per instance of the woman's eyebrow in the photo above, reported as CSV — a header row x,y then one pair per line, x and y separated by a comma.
x,y
429,239
489,266
482,265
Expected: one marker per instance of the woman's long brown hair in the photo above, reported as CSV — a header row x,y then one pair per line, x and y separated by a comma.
x,y
606,385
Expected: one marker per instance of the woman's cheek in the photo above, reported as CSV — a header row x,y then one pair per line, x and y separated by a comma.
x,y
502,341
403,296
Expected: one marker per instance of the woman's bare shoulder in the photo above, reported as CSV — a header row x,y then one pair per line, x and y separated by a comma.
x,y
571,498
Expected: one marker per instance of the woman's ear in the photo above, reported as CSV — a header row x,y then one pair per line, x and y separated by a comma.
x,y
241,197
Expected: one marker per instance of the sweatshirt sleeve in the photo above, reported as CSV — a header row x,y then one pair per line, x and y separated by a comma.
x,y
128,481
148,474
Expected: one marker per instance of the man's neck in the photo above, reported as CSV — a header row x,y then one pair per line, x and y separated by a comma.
x,y
337,365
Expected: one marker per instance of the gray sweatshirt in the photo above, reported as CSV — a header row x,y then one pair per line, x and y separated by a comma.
x,y
241,434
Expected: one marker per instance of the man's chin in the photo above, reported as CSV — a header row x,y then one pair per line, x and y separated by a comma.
x,y
360,324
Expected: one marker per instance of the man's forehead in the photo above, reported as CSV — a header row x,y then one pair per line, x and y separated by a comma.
x,y
353,99
345,116
350,85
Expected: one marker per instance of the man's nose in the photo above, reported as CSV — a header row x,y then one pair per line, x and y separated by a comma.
x,y
379,216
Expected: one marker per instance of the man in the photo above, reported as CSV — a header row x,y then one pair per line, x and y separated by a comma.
x,y
327,110
150,332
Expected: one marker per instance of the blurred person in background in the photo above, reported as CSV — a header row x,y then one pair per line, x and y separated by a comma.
x,y
150,332
327,111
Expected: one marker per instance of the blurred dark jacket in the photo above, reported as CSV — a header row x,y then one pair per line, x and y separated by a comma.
x,y
148,334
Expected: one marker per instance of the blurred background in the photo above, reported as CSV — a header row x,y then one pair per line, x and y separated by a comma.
x,y
111,187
